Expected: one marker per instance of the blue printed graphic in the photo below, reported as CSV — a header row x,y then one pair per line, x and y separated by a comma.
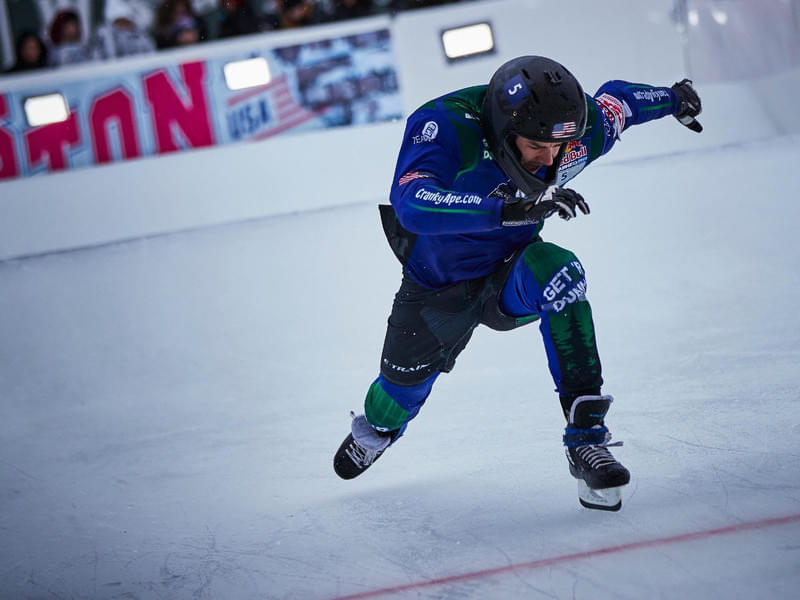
x,y
516,90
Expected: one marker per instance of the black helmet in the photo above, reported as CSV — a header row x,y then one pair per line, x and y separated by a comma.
x,y
538,99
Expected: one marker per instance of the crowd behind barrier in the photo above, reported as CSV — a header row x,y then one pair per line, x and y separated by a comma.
x,y
128,27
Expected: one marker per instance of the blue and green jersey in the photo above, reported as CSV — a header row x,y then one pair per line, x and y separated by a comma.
x,y
445,174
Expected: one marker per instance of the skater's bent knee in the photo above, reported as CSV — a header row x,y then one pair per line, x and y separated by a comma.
x,y
389,406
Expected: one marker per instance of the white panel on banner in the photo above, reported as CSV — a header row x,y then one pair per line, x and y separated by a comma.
x,y
247,73
44,110
467,41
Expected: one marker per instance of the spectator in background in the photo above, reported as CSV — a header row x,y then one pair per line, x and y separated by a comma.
x,y
178,25
31,53
297,13
411,4
66,35
351,9
123,32
238,18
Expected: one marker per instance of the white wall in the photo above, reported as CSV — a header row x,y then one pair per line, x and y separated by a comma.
x,y
615,39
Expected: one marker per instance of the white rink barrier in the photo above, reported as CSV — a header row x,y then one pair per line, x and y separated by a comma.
x,y
330,167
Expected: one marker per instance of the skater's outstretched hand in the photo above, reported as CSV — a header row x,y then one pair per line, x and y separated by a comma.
x,y
690,105
519,209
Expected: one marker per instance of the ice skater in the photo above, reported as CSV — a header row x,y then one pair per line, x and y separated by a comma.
x,y
478,173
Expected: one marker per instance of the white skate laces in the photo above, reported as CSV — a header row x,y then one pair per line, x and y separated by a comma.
x,y
597,456
367,444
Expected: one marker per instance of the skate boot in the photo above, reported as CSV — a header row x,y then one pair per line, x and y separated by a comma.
x,y
362,447
600,476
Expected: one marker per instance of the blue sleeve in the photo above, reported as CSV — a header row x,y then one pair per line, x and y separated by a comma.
x,y
621,104
422,190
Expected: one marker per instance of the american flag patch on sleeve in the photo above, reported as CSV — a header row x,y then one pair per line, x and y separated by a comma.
x,y
411,177
562,130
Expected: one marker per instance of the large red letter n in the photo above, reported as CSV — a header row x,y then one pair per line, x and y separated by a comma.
x,y
168,109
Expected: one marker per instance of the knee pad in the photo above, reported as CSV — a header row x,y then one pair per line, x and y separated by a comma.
x,y
389,406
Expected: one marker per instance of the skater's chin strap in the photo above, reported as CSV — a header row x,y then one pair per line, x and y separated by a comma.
x,y
594,436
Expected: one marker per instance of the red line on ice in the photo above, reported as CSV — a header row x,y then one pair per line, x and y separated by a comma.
x,y
546,562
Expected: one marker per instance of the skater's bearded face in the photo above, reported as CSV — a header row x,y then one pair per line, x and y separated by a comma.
x,y
533,155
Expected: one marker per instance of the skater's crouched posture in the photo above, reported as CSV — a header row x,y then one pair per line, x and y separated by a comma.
x,y
478,173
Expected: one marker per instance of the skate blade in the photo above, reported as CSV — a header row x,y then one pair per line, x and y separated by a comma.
x,y
602,499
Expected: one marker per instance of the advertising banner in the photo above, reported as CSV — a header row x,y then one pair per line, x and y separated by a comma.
x,y
342,81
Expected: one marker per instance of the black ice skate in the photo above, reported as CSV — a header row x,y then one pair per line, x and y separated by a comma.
x,y
362,447
600,476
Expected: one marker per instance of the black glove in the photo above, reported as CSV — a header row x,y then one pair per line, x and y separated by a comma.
x,y
528,210
690,105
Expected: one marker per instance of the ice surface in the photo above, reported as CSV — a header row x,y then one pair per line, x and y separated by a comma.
x,y
170,408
